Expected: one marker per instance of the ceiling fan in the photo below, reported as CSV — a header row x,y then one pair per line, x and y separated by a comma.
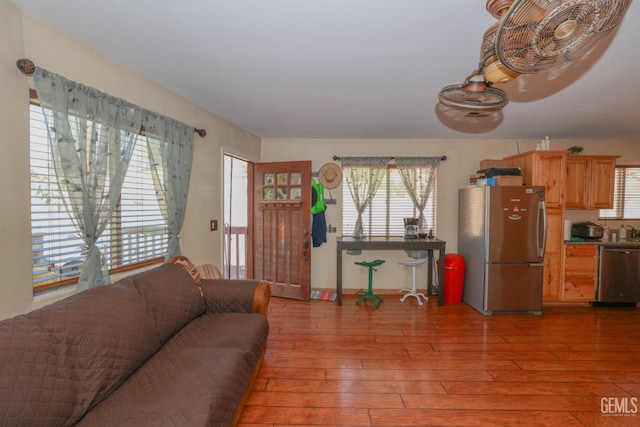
x,y
530,36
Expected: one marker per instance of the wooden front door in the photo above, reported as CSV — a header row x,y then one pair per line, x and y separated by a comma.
x,y
281,228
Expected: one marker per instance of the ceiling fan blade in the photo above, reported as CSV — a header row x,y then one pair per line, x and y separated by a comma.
x,y
537,35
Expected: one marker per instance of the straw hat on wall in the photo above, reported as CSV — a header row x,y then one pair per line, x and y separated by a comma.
x,y
330,175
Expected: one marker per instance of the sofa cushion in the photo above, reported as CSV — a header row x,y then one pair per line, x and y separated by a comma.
x,y
35,388
229,295
244,331
73,353
197,379
172,298
102,335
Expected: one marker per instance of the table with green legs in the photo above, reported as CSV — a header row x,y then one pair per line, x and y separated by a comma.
x,y
394,243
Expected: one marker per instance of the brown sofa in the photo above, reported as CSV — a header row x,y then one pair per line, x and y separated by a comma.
x,y
153,349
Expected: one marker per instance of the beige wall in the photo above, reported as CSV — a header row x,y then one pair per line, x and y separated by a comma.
x,y
23,36
463,158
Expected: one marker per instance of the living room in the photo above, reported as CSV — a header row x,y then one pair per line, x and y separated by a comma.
x,y
30,38
24,36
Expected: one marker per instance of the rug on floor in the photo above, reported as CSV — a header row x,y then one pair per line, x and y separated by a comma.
x,y
323,295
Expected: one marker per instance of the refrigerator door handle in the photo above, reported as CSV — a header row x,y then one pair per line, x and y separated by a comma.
x,y
541,241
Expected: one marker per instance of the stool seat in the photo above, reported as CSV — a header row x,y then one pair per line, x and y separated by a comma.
x,y
413,292
376,299
370,263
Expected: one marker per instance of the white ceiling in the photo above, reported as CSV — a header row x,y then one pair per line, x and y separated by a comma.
x,y
351,68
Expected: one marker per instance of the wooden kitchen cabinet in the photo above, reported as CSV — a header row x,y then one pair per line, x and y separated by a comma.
x,y
589,182
603,173
548,169
580,267
552,284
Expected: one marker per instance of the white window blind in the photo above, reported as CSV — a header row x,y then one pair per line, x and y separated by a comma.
x,y
391,204
137,232
626,195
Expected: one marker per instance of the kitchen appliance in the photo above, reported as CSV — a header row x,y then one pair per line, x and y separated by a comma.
x,y
411,228
501,237
618,278
587,230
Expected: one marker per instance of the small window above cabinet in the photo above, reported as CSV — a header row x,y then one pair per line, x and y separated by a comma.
x,y
589,182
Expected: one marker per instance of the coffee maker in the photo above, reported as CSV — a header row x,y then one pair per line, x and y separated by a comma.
x,y
411,228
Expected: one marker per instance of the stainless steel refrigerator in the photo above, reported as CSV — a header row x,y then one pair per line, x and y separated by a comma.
x,y
501,236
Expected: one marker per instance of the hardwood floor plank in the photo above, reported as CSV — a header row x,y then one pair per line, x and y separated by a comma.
x,y
282,361
408,375
454,418
439,364
535,388
577,365
495,402
605,356
403,365
309,416
566,376
474,356
548,347
367,386
276,399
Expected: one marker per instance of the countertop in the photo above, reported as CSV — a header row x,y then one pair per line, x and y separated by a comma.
x,y
625,242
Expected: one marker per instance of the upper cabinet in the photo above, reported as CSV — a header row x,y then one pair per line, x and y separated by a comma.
x,y
546,168
589,182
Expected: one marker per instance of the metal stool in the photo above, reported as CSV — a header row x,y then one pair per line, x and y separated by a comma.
x,y
413,292
377,299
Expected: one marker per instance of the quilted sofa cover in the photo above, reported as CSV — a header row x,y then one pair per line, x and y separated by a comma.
x,y
152,349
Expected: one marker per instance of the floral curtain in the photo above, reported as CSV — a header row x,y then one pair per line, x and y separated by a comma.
x,y
92,136
418,175
170,146
363,176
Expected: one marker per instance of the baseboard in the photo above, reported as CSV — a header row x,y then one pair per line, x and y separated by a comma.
x,y
604,304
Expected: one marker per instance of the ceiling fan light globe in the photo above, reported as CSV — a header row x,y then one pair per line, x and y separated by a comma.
x,y
475,84
498,7
496,72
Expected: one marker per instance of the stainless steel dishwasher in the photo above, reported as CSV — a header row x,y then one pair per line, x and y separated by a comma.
x,y
619,278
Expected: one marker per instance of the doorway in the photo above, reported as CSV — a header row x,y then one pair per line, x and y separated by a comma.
x,y
235,217
267,224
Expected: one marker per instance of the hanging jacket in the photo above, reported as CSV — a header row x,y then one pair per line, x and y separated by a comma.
x,y
317,204
319,222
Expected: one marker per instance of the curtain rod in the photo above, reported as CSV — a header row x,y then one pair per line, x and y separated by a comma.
x,y
443,158
27,67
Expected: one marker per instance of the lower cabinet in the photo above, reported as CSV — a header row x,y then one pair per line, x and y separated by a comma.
x,y
552,278
580,269
552,282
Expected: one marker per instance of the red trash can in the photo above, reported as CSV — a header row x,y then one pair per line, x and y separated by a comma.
x,y
454,268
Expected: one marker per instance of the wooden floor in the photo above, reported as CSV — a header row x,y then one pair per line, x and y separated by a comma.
x,y
406,365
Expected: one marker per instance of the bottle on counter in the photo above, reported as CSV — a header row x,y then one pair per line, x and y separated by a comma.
x,y
622,233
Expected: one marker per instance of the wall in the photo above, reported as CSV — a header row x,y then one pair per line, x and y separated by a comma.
x,y
15,251
463,159
22,36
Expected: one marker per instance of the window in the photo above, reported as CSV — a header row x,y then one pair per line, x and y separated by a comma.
x,y
391,204
137,232
626,194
